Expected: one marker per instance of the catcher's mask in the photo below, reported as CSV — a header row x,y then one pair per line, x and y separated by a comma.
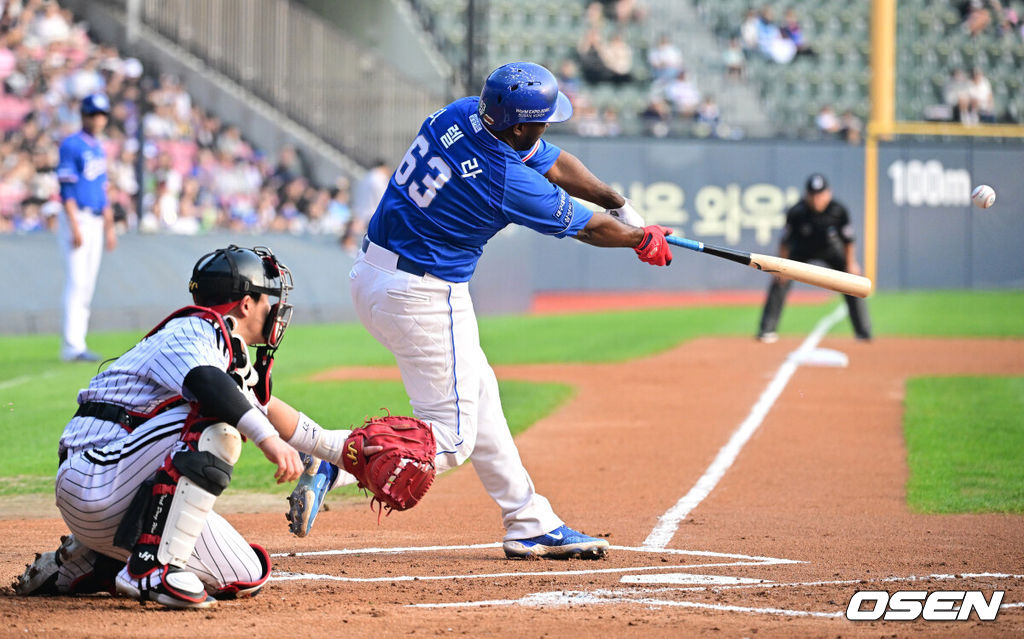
x,y
221,278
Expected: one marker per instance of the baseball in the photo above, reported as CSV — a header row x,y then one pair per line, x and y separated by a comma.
x,y
983,196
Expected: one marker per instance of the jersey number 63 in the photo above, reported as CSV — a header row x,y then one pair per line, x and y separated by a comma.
x,y
422,193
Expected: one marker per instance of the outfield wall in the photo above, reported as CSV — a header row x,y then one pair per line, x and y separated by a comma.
x,y
733,194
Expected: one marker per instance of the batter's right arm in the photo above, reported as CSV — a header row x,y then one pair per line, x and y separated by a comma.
x,y
648,242
604,230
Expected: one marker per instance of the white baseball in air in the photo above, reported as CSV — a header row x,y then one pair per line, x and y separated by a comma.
x,y
983,196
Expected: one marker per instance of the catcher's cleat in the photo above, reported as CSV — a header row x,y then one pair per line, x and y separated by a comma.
x,y
40,577
561,543
305,501
166,585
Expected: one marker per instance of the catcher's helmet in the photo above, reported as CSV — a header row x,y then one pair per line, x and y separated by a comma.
x,y
226,275
522,92
95,103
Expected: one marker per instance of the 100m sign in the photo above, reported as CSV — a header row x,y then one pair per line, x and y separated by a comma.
x,y
928,183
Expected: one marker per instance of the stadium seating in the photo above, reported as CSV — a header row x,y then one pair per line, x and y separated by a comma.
x,y
931,42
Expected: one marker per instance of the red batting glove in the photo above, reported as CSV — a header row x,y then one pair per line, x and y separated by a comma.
x,y
653,249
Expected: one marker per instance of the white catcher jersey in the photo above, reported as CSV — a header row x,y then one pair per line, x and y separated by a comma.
x,y
148,375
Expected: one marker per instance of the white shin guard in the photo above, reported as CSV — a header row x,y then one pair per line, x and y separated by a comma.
x,y
197,490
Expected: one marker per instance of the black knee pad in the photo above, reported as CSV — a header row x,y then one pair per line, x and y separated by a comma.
x,y
208,471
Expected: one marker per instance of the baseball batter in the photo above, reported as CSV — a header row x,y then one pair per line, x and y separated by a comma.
x,y
155,438
87,223
476,166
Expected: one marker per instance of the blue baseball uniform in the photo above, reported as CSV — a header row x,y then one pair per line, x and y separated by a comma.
x,y
82,172
458,185
455,188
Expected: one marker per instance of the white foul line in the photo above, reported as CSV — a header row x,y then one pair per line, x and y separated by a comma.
x,y
24,378
669,522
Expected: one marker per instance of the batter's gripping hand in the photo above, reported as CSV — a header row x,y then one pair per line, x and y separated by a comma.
x,y
627,215
653,249
402,470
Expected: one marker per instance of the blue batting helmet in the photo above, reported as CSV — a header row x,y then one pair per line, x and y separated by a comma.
x,y
522,92
95,103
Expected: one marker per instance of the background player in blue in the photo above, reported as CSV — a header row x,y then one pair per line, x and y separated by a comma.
x,y
476,166
87,224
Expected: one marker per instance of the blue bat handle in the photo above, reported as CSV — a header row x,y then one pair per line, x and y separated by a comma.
x,y
693,245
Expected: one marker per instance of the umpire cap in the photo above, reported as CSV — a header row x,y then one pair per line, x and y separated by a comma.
x,y
816,183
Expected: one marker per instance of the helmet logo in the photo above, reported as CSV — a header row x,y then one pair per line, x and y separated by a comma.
x,y
192,285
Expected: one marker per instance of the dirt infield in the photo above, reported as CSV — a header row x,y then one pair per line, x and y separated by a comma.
x,y
810,510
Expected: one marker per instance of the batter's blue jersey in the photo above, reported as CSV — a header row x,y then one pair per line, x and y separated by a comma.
x,y
83,172
458,185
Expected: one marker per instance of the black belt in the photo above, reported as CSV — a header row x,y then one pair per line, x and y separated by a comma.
x,y
116,414
110,413
404,264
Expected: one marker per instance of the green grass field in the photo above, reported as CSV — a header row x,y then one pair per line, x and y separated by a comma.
x,y
37,391
964,439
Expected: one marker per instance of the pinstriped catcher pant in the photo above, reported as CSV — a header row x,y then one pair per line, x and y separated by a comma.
x,y
94,488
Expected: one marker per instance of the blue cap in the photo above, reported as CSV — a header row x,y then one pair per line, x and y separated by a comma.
x,y
95,103
522,92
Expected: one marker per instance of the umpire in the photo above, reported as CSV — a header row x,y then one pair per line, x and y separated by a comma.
x,y
817,228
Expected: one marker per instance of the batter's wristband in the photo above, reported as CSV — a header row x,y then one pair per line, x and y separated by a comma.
x,y
255,426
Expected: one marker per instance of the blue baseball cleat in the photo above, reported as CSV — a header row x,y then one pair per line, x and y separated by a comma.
x,y
561,543
305,501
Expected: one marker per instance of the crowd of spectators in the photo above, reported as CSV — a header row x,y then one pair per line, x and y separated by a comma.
x,y
981,16
605,56
968,100
616,62
780,42
198,173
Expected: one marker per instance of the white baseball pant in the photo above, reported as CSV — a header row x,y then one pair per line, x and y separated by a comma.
x,y
430,326
95,487
81,268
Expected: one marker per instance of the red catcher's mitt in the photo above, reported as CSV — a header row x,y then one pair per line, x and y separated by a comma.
x,y
400,474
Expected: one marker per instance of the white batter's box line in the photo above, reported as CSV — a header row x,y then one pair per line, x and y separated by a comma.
x,y
298,576
382,550
848,582
768,561
563,598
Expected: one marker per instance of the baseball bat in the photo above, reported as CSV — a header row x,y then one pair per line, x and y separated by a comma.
x,y
846,283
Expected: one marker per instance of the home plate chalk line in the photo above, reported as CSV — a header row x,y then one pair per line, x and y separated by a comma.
x,y
657,542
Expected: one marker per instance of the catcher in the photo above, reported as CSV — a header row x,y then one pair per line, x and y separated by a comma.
x,y
155,438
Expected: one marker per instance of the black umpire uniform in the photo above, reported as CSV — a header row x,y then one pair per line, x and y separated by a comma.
x,y
817,229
